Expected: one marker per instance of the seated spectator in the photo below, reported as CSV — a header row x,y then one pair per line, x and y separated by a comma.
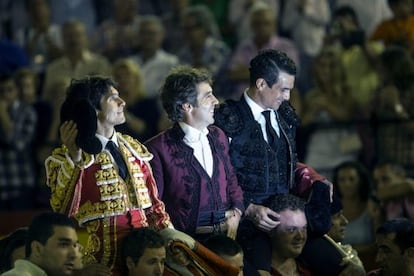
x,y
357,55
326,110
369,12
394,190
76,62
237,11
395,243
27,84
306,22
41,39
203,46
143,251
154,62
142,113
358,58
51,248
289,237
264,36
12,248
174,34
392,108
399,29
85,11
17,131
117,37
353,182
228,249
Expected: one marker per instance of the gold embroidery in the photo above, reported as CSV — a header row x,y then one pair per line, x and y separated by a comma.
x,y
139,148
103,158
93,226
62,177
110,191
106,241
88,258
106,176
116,195
94,244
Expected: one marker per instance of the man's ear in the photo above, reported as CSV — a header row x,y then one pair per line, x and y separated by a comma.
x,y
37,249
260,83
186,107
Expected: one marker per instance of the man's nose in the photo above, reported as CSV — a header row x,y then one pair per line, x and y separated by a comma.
x,y
159,269
121,102
215,100
344,220
286,95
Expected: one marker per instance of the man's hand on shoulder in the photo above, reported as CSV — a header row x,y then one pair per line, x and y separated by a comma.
x,y
263,218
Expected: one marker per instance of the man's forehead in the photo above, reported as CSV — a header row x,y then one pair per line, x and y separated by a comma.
x,y
292,218
112,91
204,87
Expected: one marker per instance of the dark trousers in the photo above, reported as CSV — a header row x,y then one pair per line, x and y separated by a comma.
x,y
256,246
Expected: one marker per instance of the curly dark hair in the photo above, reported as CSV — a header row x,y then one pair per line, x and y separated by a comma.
x,y
180,87
365,178
283,202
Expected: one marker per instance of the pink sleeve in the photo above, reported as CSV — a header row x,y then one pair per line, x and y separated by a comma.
x,y
305,176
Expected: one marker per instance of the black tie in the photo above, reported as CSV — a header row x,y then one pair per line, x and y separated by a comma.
x,y
271,133
116,154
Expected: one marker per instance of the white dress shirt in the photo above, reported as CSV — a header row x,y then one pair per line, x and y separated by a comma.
x,y
259,117
105,140
198,141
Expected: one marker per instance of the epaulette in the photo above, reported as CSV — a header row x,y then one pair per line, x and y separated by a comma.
x,y
138,148
60,150
229,118
288,113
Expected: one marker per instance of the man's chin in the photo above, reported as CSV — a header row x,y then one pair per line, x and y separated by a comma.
x,y
121,121
276,106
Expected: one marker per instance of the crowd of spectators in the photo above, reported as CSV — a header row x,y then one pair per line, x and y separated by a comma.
x,y
353,91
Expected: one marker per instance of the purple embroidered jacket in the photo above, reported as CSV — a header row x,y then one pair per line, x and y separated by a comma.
x,y
185,187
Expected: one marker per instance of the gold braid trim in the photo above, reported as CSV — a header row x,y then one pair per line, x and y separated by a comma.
x,y
62,176
138,150
107,241
93,244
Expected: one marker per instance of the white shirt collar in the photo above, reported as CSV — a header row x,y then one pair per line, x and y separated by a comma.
x,y
105,140
192,134
258,116
256,109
